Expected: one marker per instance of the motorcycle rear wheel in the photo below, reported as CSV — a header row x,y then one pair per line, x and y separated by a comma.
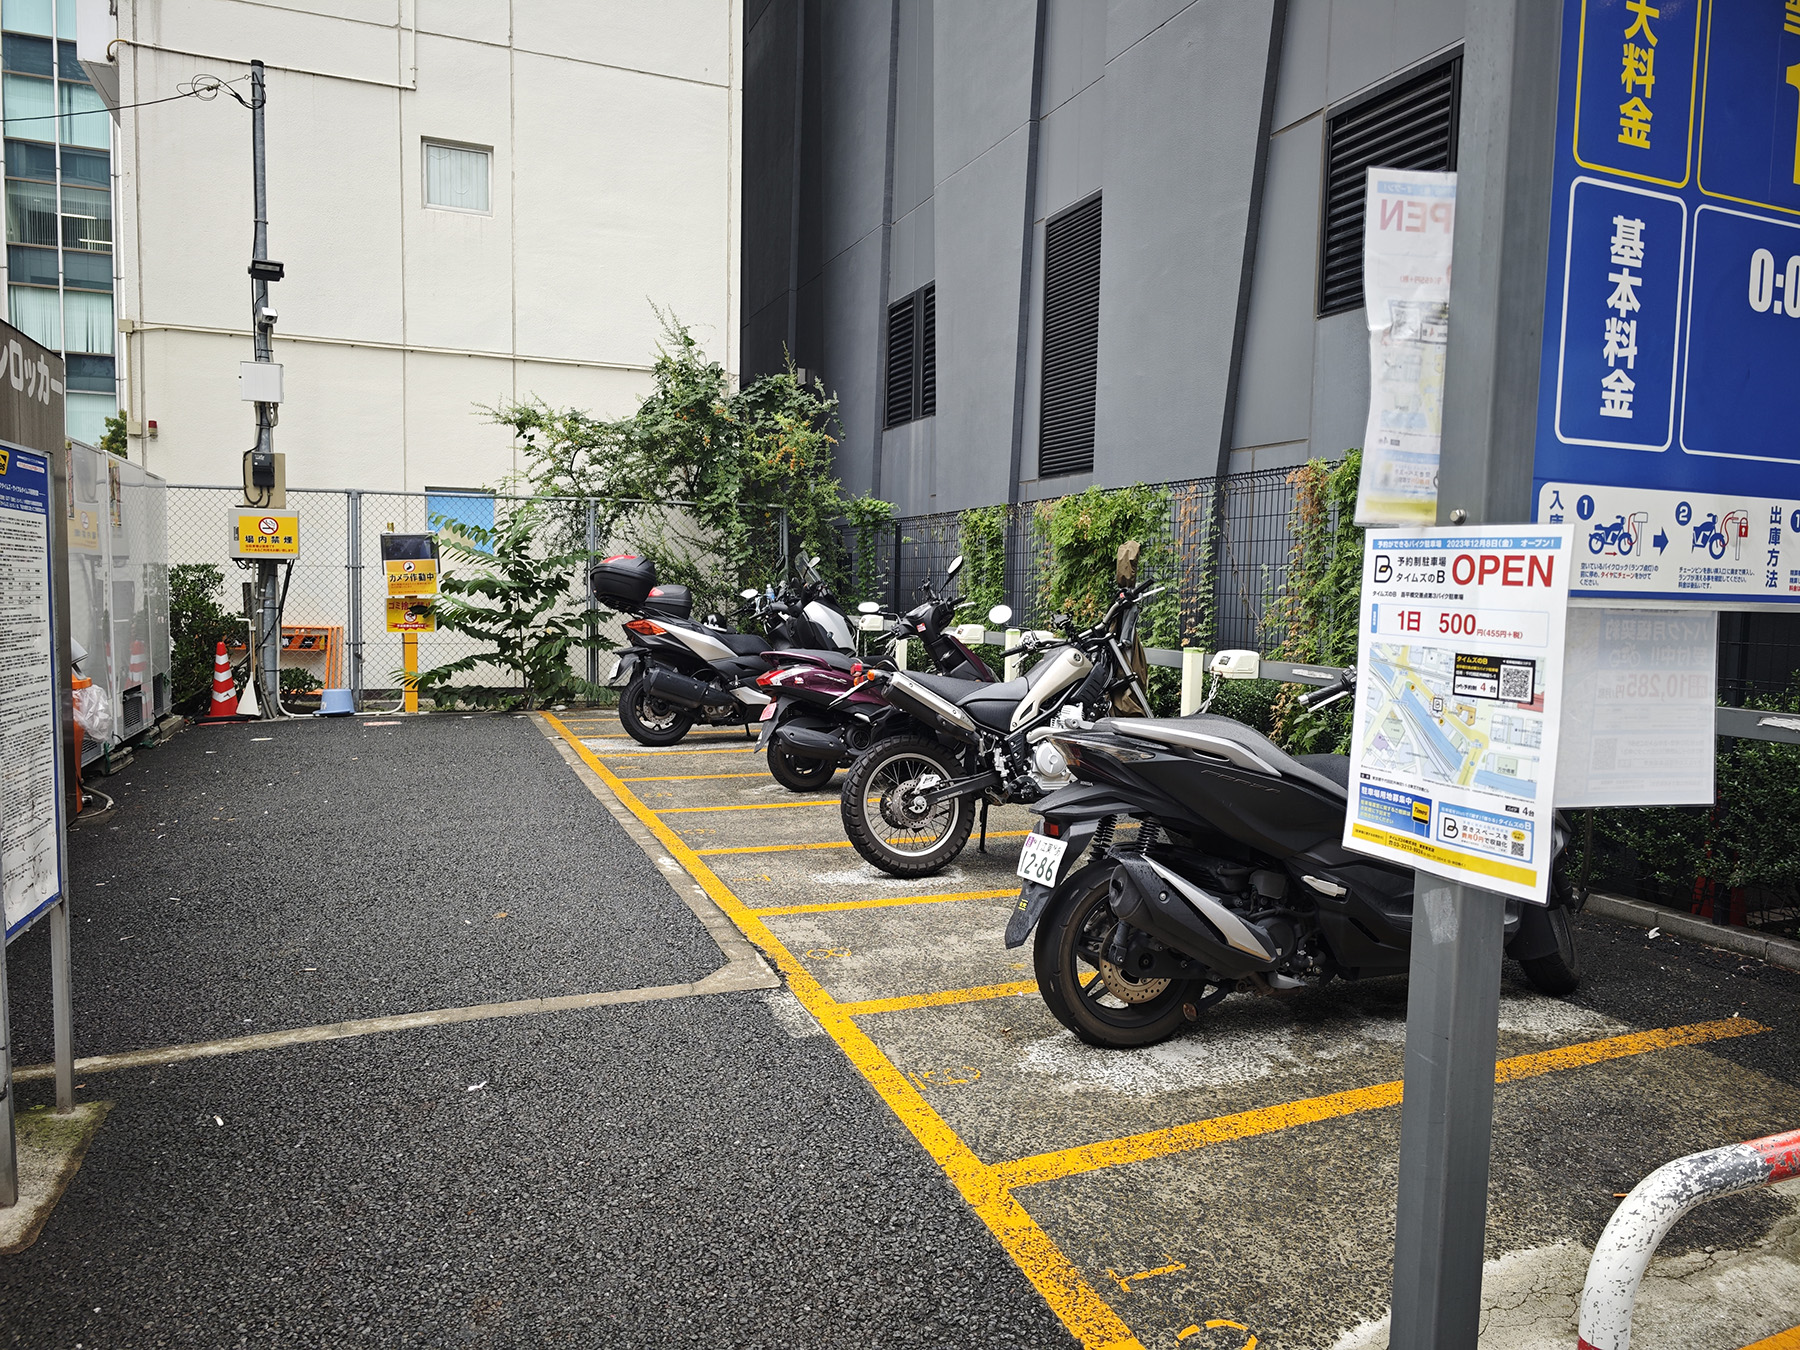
x,y
1559,973
1079,987
650,721
876,786
799,775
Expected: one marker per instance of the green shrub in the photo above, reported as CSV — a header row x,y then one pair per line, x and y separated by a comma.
x,y
197,624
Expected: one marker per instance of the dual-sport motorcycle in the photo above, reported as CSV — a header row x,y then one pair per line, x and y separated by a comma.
x,y
909,803
677,671
1237,878
824,718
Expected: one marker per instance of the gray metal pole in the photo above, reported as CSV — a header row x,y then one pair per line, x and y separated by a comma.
x,y
262,339
354,631
593,606
1504,161
9,1144
62,1005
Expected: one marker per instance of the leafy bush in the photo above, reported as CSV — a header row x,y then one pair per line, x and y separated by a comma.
x,y
515,597
1314,617
1085,532
742,458
197,624
298,680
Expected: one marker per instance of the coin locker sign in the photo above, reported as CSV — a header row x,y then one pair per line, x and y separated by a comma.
x,y
265,534
1459,686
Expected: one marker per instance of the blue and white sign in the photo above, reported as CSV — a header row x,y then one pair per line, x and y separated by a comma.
x,y
1667,433
30,765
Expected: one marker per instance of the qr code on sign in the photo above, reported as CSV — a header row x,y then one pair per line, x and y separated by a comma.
x,y
1516,681
1518,848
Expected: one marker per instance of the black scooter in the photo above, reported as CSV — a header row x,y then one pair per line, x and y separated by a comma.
x,y
1237,878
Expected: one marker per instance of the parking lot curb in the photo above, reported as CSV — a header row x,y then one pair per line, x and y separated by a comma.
x,y
1777,951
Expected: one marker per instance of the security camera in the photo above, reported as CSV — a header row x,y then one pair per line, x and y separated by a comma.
x,y
265,315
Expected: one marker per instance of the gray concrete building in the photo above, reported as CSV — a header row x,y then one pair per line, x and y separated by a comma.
x,y
1034,245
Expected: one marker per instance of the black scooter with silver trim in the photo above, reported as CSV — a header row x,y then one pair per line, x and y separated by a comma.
x,y
1236,879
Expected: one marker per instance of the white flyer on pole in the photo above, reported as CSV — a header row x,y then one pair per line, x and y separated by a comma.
x,y
1640,689
1409,219
1459,687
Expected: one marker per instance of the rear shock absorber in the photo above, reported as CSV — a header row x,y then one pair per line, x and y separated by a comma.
x,y
1148,834
1103,838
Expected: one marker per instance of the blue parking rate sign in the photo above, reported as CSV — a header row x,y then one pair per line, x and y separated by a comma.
x,y
1671,360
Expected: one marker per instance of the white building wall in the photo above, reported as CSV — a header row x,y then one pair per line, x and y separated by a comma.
x,y
613,127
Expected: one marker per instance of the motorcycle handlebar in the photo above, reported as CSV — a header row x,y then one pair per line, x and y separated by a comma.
x,y
1330,693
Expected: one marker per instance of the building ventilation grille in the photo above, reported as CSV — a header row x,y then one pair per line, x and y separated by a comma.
x,y
928,351
1071,341
1410,126
901,358
912,357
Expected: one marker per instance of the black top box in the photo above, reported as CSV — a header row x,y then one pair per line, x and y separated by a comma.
x,y
622,581
677,602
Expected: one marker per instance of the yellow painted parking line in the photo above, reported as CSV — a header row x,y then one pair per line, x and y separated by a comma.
x,y
839,906
836,843
768,848
1062,1286
686,777
1069,1162
943,998
671,750
1781,1340
744,806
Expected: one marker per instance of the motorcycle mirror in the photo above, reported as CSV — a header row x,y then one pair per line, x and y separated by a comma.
x,y
868,607
1000,615
954,567
747,594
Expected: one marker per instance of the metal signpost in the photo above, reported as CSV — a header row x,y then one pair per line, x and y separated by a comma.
x,y
1625,324
37,758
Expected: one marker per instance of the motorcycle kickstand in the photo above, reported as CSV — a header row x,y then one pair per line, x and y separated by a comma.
x,y
982,846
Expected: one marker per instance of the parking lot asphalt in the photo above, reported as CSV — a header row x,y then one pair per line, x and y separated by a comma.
x,y
1239,1180
705,1170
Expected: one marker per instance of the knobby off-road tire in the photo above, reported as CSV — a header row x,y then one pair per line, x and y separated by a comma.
x,y
1559,973
1076,921
880,841
650,721
799,775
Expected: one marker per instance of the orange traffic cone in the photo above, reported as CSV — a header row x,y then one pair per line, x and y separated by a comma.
x,y
224,693
136,667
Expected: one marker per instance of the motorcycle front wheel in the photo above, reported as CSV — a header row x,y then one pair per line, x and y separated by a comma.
x,y
648,720
1087,993
1558,973
799,775
881,814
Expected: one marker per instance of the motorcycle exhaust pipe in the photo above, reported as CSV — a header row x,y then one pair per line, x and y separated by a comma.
x,y
673,687
1153,899
916,699
808,743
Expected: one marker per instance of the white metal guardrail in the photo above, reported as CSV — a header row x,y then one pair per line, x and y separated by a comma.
x,y
1639,1225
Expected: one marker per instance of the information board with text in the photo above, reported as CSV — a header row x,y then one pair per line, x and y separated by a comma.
x,y
1459,686
1666,419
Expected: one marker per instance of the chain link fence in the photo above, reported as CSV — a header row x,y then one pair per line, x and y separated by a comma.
x,y
334,609
1228,540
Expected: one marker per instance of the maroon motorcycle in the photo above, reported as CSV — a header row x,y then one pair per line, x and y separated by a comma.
x,y
822,718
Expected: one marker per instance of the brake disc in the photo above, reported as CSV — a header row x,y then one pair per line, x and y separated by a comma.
x,y
1127,990
896,802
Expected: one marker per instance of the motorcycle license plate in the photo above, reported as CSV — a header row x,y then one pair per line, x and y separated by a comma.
x,y
1040,858
767,712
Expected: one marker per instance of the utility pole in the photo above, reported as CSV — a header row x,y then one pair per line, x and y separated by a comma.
x,y
262,458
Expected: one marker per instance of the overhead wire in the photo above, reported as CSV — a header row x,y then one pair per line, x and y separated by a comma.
x,y
203,87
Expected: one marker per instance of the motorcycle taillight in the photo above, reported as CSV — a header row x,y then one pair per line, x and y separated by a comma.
x,y
645,628
769,677
856,672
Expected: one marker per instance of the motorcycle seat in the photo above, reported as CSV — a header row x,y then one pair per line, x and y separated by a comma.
x,y
1232,741
1334,767
818,656
744,644
945,686
993,705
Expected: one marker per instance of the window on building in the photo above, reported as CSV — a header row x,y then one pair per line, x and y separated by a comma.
x,y
1410,124
456,177
912,357
87,219
1071,346
29,16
